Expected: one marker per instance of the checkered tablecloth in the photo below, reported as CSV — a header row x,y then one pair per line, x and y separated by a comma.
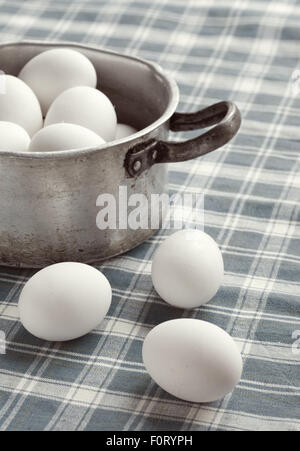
x,y
245,51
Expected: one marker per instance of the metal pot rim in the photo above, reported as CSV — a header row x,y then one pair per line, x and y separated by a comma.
x,y
170,83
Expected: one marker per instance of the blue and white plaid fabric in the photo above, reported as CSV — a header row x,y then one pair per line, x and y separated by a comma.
x,y
242,50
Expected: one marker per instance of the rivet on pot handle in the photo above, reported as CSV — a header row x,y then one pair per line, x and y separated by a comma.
x,y
225,114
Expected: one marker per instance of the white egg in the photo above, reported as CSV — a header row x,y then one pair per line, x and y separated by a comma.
x,y
64,137
87,107
187,268
19,104
124,130
192,359
53,71
13,137
64,301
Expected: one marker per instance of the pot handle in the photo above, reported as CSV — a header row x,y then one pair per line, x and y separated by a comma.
x,y
225,114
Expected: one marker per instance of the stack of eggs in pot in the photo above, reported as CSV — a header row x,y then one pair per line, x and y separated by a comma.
x,y
54,106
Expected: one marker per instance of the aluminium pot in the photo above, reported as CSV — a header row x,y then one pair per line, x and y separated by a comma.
x,y
48,200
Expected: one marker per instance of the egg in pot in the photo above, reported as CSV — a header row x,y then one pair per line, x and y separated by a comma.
x,y
53,71
124,130
19,104
87,107
64,136
13,137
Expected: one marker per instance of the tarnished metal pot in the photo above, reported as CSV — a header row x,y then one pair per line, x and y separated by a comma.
x,y
48,200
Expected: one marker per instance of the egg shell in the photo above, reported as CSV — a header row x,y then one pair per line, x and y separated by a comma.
x,y
187,268
13,138
53,71
64,136
123,131
87,107
19,104
193,360
64,301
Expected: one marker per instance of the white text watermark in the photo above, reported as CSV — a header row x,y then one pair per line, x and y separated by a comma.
x,y
138,211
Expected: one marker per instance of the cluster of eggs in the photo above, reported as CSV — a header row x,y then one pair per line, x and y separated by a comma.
x,y
191,359
53,105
